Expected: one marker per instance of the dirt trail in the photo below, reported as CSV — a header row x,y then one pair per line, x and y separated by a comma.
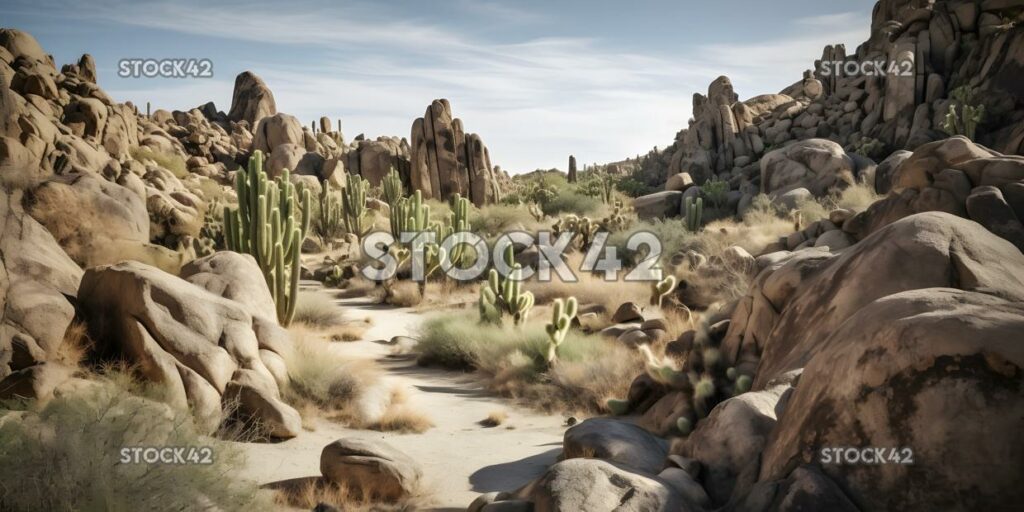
x,y
459,457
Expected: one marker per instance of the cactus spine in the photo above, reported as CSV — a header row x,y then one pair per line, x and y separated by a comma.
x,y
392,186
270,226
331,220
694,211
353,202
561,319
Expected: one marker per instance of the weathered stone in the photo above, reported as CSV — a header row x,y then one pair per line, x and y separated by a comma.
x,y
373,469
251,100
660,205
616,441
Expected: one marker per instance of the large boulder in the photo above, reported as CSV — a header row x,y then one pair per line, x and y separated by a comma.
x,y
251,99
599,486
374,469
934,374
818,165
189,340
616,441
36,279
277,129
95,221
922,251
659,205
806,488
235,277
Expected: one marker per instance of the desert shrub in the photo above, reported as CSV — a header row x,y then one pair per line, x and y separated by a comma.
x,y
171,161
496,219
571,202
635,188
810,210
715,191
512,360
66,455
318,310
857,197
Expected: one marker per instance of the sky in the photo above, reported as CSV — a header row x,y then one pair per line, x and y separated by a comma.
x,y
537,80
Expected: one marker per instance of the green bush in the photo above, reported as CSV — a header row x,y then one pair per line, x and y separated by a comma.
x,y
571,202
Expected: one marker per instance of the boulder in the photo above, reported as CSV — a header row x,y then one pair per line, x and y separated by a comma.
x,y
235,277
806,488
445,160
887,169
627,312
187,339
659,205
372,468
277,129
818,165
987,207
680,182
251,100
599,486
616,441
932,373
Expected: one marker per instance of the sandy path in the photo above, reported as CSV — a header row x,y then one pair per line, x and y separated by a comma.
x,y
459,457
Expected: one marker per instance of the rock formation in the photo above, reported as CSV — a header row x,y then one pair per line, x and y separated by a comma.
x,y
571,176
446,160
251,100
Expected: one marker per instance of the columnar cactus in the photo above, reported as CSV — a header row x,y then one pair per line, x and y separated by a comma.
x,y
536,212
694,210
965,120
270,225
561,320
353,202
392,186
458,222
661,289
607,187
331,219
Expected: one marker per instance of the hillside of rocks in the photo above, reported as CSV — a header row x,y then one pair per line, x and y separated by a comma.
x,y
841,128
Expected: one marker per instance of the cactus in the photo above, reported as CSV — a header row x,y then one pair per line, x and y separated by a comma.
x,y
561,320
330,222
536,212
684,425
458,222
269,225
661,289
353,202
502,296
965,120
694,211
392,185
617,406
615,220
607,187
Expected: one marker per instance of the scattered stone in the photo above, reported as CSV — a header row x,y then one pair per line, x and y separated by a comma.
x,y
373,468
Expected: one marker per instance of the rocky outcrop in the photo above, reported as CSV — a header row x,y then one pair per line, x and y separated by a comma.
x,y
820,166
616,441
445,160
251,99
203,349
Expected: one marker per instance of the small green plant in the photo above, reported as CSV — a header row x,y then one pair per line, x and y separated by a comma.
x,y
270,224
607,182
353,202
561,319
963,121
392,187
662,289
715,191
694,209
536,212
504,295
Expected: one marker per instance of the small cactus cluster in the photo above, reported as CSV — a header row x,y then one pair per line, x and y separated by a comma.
x,y
583,229
412,215
561,319
661,289
536,212
963,121
703,377
694,210
458,223
330,221
211,235
353,203
270,223
616,220
607,182
504,295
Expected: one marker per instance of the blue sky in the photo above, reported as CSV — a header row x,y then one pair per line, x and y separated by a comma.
x,y
537,80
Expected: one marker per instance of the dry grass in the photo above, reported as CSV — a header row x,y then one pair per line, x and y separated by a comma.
x,y
75,346
404,419
510,360
589,288
317,310
171,161
857,197
308,493
494,419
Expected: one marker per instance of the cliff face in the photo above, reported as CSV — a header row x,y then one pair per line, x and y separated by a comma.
x,y
894,92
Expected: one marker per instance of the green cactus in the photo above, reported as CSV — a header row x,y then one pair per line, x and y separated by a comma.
x,y
684,425
353,202
561,320
607,182
270,225
330,222
662,289
694,210
458,222
392,185
965,120
617,406
500,296
615,220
